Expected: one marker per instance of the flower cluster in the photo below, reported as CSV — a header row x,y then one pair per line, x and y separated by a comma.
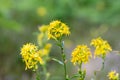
x,y
81,54
31,56
102,47
57,29
42,36
43,28
43,42
45,51
113,75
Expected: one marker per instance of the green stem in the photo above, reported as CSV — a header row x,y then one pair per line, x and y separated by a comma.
x,y
80,71
102,68
64,59
45,72
95,72
80,66
37,75
103,63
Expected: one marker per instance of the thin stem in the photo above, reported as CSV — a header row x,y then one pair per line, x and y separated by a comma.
x,y
80,66
64,59
80,71
95,72
37,75
102,68
103,63
45,72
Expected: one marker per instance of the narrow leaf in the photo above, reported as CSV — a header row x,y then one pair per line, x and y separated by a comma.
x,y
74,76
60,62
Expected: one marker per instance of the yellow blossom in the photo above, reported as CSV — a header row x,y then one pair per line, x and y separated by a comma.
x,y
57,29
113,75
30,56
42,36
48,46
102,47
81,54
41,11
45,51
43,28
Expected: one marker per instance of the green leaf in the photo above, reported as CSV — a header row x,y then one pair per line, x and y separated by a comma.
x,y
75,76
56,60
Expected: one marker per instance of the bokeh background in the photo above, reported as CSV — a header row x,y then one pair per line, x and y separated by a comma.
x,y
87,19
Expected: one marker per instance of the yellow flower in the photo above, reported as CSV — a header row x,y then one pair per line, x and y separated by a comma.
x,y
57,29
48,46
102,47
81,54
41,11
42,36
113,75
43,28
30,56
45,51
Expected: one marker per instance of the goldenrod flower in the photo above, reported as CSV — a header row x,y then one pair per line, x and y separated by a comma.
x,y
43,28
57,29
42,11
30,56
48,46
113,75
45,51
81,54
42,36
43,41
102,47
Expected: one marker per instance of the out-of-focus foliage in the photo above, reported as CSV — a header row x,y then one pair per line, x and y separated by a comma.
x,y
21,12
19,19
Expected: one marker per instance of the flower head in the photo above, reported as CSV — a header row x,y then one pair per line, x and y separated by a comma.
x,y
45,51
102,47
57,29
81,54
113,75
43,28
43,43
30,56
42,36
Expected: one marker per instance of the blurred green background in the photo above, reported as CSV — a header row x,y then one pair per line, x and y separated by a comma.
x,y
87,19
